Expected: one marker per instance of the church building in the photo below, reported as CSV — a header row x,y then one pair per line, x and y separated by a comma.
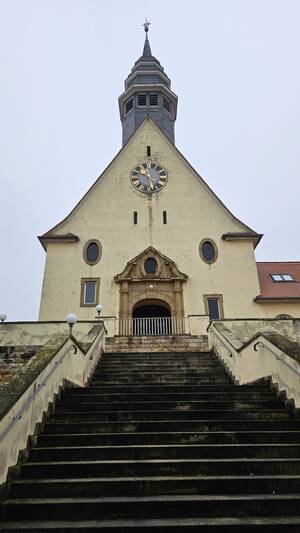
x,y
150,238
159,389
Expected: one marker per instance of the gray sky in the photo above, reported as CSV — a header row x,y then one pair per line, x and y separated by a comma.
x,y
235,67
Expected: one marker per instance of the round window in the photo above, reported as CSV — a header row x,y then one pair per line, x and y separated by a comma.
x,y
92,252
150,265
208,251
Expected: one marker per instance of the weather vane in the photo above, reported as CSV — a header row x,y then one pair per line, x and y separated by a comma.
x,y
146,25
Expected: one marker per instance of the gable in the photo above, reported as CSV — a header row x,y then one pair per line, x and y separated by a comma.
x,y
186,189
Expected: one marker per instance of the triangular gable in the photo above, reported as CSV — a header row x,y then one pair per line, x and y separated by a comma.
x,y
167,269
244,228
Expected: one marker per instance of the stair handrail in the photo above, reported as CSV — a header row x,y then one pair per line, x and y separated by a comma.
x,y
274,362
35,393
279,356
30,402
231,351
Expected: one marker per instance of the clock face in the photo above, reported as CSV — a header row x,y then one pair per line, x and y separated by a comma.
x,y
148,177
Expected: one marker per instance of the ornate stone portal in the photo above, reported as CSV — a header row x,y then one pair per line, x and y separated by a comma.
x,y
151,278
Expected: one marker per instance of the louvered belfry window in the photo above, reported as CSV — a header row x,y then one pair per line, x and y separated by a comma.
x,y
153,99
142,99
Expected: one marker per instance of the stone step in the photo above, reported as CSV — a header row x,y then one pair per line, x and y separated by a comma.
x,y
169,506
201,348
150,486
210,437
68,396
253,524
171,415
157,367
160,467
164,380
165,388
68,427
163,451
158,356
156,340
188,405
132,373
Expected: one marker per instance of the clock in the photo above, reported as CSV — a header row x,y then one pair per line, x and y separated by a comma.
x,y
148,177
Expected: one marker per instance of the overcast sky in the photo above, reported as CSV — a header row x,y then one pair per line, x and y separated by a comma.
x,y
235,67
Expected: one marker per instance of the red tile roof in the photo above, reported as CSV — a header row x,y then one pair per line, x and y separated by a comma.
x,y
278,289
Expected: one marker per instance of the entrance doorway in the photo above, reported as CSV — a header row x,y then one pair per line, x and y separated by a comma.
x,y
150,311
151,318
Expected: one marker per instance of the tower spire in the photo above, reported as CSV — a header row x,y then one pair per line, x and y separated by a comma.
x,y
147,49
147,94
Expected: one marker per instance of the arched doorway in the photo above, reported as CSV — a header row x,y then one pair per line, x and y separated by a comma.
x,y
151,317
151,279
151,308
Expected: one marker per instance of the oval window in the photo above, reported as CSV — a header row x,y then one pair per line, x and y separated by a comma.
x,y
92,252
150,265
208,251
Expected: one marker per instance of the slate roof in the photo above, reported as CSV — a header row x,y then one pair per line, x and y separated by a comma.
x,y
278,289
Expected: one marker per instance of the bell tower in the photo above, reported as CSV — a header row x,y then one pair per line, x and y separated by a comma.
x,y
147,93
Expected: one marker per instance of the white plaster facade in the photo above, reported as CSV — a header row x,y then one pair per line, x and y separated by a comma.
x,y
193,213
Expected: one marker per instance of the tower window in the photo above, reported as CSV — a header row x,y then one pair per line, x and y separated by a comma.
x,y
135,217
153,99
142,99
89,291
164,217
128,105
167,104
148,151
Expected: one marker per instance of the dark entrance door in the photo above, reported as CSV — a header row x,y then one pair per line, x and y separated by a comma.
x,y
151,319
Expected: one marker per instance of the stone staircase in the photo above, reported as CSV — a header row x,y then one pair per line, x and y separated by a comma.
x,y
156,343
162,443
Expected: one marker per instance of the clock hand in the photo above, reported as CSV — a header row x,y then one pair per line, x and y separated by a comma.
x,y
151,182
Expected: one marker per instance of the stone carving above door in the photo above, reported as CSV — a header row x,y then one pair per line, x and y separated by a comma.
x,y
151,275
142,268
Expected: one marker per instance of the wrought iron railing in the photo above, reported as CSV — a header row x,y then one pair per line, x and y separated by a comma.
x,y
152,326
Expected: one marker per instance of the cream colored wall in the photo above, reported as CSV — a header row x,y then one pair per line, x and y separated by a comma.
x,y
271,310
249,365
106,214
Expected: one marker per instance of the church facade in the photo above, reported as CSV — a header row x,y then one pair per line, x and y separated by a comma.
x,y
150,238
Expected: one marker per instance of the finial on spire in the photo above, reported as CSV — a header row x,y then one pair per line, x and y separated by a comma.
x,y
147,49
146,25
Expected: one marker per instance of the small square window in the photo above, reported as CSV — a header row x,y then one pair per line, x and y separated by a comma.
x,y
142,99
89,291
276,277
287,277
153,99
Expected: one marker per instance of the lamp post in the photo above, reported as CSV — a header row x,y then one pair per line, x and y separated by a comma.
x,y
71,319
99,308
